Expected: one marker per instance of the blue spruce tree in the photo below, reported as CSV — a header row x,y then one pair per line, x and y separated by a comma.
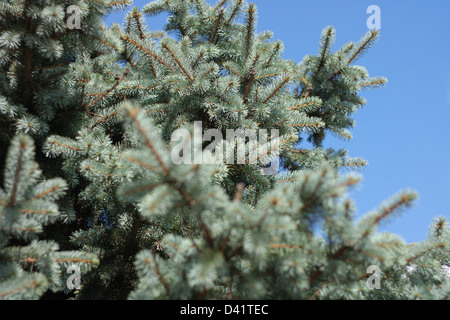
x,y
150,172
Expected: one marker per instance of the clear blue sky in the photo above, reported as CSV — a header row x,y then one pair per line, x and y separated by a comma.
x,y
404,130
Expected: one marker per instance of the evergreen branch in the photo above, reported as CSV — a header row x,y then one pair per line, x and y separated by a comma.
x,y
74,260
285,80
157,110
180,27
351,181
263,154
137,17
373,35
157,34
4,16
319,289
33,211
362,47
95,115
226,65
369,254
209,237
319,184
235,10
285,246
31,229
420,254
30,260
28,286
83,86
166,46
118,3
109,90
61,35
27,63
267,76
23,145
314,276
220,4
142,163
126,38
229,86
249,81
106,118
16,176
178,124
106,174
349,47
225,243
207,72
374,82
308,89
341,132
329,33
277,47
342,250
152,67
274,201
353,164
98,2
239,190
250,29
105,42
303,105
403,201
216,25
158,272
198,59
243,168
53,142
303,151
317,124
365,275
133,115
153,11
138,189
51,67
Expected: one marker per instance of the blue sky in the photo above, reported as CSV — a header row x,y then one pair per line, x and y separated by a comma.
x,y
403,131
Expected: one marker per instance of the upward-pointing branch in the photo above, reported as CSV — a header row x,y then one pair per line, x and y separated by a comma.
x,y
166,46
126,38
250,29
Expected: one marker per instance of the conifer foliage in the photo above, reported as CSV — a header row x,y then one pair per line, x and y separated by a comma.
x,y
103,192
29,265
